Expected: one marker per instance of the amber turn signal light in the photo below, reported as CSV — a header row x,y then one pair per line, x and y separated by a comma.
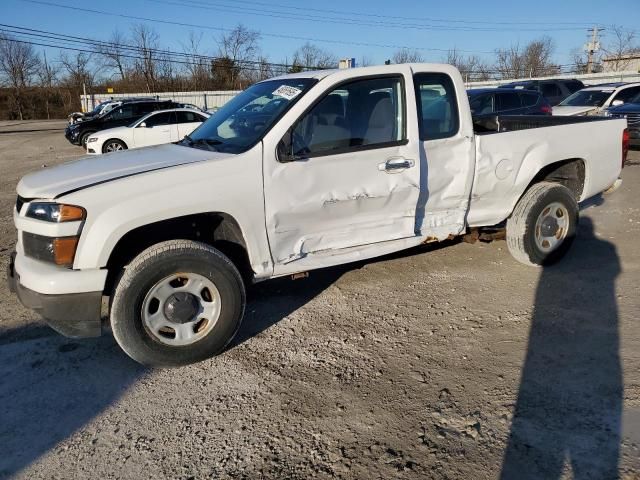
x,y
64,250
69,213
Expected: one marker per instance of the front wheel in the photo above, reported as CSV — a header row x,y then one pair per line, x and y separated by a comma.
x,y
113,145
543,225
177,302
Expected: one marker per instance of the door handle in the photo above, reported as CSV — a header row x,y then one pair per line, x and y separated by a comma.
x,y
394,165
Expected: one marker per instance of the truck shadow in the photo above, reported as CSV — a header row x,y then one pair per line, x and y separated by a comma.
x,y
569,402
51,387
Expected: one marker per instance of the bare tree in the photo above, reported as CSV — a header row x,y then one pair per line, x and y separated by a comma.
x,y
47,76
405,55
471,67
531,61
198,65
80,73
618,49
365,61
146,41
115,54
240,46
18,64
312,57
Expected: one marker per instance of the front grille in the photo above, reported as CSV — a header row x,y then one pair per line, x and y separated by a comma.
x,y
633,119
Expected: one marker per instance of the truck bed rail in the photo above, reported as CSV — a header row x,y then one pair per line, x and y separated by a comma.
x,y
511,123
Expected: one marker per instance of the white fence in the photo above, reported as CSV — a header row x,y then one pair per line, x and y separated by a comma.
x,y
206,100
217,98
587,79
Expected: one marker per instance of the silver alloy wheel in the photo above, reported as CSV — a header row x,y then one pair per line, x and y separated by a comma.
x,y
551,227
181,309
113,147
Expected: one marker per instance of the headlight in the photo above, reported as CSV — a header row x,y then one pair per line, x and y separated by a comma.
x,y
92,139
58,250
55,212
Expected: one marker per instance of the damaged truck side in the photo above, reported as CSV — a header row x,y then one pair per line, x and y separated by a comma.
x,y
295,173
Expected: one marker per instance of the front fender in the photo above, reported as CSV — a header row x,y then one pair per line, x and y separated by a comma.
x,y
232,185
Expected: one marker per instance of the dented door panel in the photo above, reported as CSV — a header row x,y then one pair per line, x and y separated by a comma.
x,y
339,201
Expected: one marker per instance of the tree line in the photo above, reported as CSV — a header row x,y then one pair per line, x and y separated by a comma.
x,y
35,86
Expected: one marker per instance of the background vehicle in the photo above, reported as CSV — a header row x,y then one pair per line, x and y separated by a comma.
x,y
492,101
349,164
78,133
630,111
595,100
554,90
163,126
101,109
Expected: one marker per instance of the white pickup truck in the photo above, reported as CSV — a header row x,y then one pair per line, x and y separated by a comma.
x,y
295,173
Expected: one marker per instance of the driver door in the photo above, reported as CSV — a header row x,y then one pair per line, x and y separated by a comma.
x,y
347,177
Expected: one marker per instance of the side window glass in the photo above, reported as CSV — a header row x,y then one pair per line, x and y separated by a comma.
x,y
143,108
188,117
528,100
482,105
508,101
551,90
627,94
123,112
159,119
358,114
437,106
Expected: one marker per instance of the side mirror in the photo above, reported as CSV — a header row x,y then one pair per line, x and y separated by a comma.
x,y
617,103
285,148
143,125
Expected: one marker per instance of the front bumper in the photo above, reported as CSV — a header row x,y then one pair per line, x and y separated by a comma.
x,y
75,315
72,135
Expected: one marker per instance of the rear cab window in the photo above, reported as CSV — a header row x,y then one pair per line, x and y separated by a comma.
x,y
438,115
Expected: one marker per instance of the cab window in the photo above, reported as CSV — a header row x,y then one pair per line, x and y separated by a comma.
x,y
358,115
437,106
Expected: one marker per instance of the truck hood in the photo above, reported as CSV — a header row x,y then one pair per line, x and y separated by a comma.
x,y
567,111
52,182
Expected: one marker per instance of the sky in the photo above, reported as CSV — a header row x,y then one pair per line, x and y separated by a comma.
x,y
360,28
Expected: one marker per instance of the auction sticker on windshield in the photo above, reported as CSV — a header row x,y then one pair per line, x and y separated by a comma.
x,y
287,92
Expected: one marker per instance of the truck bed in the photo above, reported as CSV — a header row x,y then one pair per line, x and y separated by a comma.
x,y
511,123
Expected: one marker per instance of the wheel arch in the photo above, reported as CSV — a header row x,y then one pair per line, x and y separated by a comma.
x,y
217,229
104,144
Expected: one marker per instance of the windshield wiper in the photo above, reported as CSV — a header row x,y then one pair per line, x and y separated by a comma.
x,y
202,141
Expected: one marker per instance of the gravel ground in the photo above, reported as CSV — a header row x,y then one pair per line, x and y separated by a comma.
x,y
442,362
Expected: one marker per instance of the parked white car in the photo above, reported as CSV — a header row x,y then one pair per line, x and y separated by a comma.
x,y
595,100
162,126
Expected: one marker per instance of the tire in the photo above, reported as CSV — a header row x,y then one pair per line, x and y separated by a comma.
x,y
548,208
132,306
83,139
113,145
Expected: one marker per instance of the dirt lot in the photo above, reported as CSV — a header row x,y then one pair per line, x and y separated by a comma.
x,y
451,362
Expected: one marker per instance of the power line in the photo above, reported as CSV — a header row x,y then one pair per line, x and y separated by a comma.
x,y
221,29
386,16
106,48
349,21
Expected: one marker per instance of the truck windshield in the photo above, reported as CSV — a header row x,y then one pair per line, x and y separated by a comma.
x,y
587,98
242,121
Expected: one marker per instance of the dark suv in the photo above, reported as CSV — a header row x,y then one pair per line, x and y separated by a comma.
x,y
630,111
128,112
554,90
492,101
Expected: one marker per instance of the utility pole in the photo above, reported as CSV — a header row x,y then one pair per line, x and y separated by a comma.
x,y
592,47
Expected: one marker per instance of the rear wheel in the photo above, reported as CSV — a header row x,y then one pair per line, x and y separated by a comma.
x,y
178,302
543,225
113,145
